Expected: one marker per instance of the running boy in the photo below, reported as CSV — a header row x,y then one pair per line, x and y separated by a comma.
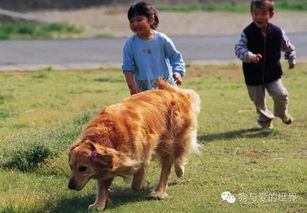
x,y
149,55
260,49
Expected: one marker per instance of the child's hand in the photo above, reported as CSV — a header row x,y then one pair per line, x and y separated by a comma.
x,y
291,66
255,58
134,89
178,79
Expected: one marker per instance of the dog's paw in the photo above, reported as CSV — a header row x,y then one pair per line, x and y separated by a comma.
x,y
179,170
158,195
100,206
96,207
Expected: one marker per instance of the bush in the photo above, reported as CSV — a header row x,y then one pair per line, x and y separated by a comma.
x,y
35,31
29,158
4,36
27,29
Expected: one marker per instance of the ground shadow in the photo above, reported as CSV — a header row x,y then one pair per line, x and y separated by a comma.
x,y
245,133
118,195
74,205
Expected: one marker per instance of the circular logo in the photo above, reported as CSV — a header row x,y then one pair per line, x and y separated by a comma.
x,y
227,196
224,195
231,199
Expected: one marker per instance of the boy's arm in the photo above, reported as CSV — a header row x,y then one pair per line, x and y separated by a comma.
x,y
241,50
289,50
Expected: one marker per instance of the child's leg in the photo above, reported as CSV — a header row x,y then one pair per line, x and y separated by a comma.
x,y
257,95
279,94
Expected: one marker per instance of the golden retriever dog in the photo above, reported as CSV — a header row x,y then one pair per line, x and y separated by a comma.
x,y
122,138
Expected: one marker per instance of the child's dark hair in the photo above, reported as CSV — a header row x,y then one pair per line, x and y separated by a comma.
x,y
144,8
267,4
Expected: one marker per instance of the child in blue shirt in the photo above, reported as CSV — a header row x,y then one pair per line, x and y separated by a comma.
x,y
149,55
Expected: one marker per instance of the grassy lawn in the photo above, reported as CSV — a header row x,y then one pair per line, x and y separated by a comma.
x,y
42,113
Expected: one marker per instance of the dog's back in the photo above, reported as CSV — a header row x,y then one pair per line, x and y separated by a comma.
x,y
149,117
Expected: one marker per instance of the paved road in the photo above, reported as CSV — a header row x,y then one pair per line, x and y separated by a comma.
x,y
90,53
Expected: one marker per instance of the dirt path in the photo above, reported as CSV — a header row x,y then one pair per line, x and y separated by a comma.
x,y
113,22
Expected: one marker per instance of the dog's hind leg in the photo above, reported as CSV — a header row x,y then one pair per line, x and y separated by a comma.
x,y
179,166
139,181
160,191
102,196
183,145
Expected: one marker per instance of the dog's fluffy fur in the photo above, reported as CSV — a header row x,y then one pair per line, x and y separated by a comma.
x,y
122,138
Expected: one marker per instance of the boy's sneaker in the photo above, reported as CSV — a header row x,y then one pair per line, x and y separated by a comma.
x,y
266,124
287,119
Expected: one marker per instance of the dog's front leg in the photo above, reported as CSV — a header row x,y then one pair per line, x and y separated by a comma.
x,y
102,196
139,178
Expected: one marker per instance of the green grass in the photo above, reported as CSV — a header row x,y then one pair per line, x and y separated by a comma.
x,y
232,6
35,31
42,113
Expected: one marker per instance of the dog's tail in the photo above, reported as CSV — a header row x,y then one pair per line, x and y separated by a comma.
x,y
194,99
190,94
194,146
195,102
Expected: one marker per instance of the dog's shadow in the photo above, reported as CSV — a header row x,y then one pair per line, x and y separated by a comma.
x,y
244,133
122,195
118,195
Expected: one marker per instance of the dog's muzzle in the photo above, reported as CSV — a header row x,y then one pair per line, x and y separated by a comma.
x,y
72,185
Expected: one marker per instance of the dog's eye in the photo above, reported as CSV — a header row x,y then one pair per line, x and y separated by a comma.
x,y
82,168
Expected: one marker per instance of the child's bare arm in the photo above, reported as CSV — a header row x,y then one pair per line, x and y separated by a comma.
x,y
129,79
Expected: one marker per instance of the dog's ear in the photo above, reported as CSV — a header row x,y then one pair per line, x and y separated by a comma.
x,y
103,159
72,148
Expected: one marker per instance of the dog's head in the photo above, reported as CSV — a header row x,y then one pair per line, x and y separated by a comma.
x,y
86,162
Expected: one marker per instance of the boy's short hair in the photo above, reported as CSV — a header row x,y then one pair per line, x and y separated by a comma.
x,y
267,4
